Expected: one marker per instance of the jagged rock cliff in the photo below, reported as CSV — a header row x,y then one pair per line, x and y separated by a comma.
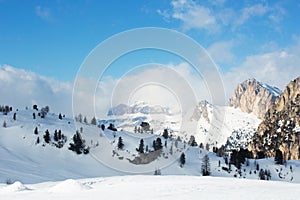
x,y
280,128
254,96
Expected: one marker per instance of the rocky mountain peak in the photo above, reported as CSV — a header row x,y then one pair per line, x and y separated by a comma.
x,y
280,128
254,96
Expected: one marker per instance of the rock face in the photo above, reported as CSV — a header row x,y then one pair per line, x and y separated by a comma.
x,y
201,110
254,96
280,128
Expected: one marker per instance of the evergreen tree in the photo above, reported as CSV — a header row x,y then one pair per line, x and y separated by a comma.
x,y
15,116
205,167
85,120
94,121
78,144
36,131
165,134
47,136
120,143
262,175
192,142
141,146
55,136
79,118
157,145
157,172
135,129
33,115
35,107
182,159
102,127
59,135
278,157
207,147
201,146
38,140
4,124
60,116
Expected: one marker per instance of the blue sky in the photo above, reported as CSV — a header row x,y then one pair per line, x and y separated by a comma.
x,y
53,37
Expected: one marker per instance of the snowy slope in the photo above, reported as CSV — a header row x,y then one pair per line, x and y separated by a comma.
x,y
209,124
152,187
21,159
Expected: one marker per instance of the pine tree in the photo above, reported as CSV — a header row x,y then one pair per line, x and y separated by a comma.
x,y
60,116
207,147
94,121
205,167
47,136
262,175
141,146
165,134
182,159
135,129
157,145
102,127
79,144
38,140
55,136
4,124
85,120
192,142
15,116
201,146
278,157
36,131
33,115
120,143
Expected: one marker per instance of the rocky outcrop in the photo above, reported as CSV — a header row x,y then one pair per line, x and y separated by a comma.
x,y
280,128
201,110
254,96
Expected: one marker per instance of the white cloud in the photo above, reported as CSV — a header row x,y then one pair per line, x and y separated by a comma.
x,y
214,15
256,10
21,88
43,13
276,68
221,52
193,15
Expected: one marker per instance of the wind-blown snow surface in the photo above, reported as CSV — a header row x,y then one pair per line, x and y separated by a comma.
x,y
152,187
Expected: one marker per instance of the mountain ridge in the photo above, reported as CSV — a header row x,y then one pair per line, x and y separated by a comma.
x,y
254,96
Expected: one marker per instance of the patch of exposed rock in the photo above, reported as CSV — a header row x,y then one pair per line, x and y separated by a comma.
x,y
280,128
254,96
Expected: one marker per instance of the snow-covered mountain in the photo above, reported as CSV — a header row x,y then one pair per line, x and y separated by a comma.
x,y
254,96
208,123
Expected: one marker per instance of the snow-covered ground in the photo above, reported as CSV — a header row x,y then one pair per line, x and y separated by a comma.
x,y
152,187
22,159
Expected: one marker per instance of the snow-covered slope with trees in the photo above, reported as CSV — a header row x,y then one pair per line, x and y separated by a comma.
x,y
101,154
213,124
